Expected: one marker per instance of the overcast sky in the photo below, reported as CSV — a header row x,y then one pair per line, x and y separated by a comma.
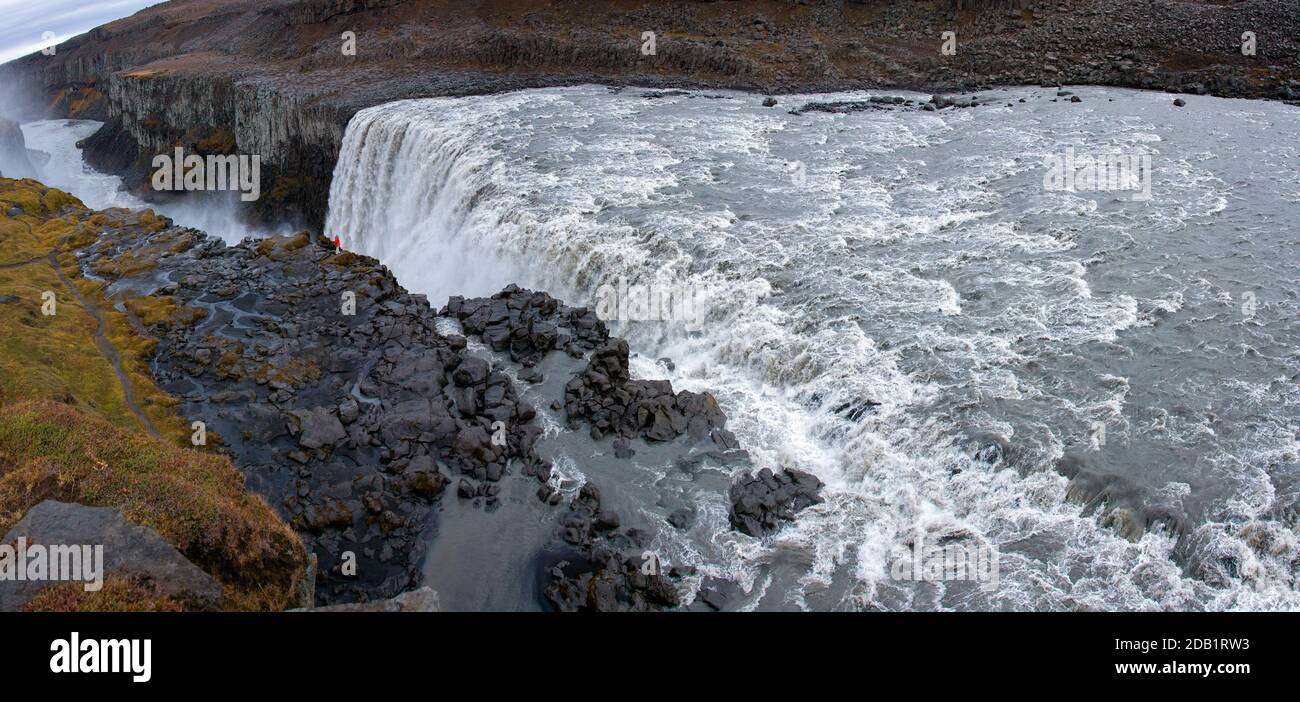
x,y
24,22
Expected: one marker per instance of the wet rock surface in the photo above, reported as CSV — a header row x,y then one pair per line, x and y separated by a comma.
x,y
528,324
605,567
611,402
763,502
608,568
605,575
333,391
1121,503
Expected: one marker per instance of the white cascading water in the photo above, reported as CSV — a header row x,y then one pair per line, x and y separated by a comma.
x,y
836,255
217,213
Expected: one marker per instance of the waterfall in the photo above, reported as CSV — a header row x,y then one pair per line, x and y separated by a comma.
x,y
405,191
830,253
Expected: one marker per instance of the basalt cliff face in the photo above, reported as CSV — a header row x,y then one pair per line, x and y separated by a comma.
x,y
274,79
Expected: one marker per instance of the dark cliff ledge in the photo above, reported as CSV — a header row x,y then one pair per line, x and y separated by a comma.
x,y
271,78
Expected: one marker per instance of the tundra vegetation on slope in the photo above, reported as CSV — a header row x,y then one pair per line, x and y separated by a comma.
x,y
81,419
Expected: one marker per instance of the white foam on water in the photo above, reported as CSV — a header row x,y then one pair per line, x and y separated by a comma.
x,y
909,259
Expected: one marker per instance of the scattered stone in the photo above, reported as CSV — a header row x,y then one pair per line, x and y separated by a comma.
x,y
655,94
606,580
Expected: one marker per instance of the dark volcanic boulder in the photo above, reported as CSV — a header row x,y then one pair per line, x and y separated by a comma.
x,y
611,402
761,503
532,324
423,476
318,427
528,324
471,371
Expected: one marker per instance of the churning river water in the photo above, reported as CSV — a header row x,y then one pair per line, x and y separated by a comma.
x,y
897,301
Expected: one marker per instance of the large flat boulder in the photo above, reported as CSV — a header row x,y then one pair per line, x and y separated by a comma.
x,y
129,550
